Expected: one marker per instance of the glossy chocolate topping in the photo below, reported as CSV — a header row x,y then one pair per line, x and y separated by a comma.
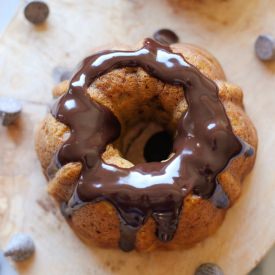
x,y
166,37
203,146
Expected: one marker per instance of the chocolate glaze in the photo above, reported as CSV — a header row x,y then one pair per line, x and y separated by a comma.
x,y
203,146
166,37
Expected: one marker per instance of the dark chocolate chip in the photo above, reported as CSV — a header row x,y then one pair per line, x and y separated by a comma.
x,y
166,36
20,248
36,12
265,47
10,110
209,269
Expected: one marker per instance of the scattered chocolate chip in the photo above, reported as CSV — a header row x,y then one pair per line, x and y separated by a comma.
x,y
166,36
209,269
36,12
20,247
10,110
265,47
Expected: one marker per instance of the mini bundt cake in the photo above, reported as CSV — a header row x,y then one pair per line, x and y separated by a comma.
x,y
171,203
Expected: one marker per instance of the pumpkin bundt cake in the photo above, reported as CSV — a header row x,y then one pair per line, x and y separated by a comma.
x,y
169,202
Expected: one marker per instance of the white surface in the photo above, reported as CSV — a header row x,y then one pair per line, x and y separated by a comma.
x,y
26,50
7,11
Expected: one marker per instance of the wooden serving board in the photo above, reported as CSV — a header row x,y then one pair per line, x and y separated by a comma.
x,y
27,57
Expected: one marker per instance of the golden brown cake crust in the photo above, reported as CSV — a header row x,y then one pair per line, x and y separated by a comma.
x,y
131,92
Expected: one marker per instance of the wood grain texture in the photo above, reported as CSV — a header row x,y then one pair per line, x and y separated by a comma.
x,y
27,57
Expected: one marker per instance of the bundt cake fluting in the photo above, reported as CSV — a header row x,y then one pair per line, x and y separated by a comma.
x,y
173,203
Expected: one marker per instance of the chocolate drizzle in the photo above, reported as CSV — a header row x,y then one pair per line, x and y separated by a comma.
x,y
203,146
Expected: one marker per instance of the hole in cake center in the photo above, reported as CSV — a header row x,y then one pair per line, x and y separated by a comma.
x,y
147,143
158,147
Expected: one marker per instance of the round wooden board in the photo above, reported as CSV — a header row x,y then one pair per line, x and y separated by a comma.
x,y
27,57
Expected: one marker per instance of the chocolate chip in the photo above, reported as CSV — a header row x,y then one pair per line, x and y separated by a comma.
x,y
209,269
166,36
20,247
36,12
10,110
265,47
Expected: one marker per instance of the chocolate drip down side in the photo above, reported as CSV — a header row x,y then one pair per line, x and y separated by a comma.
x,y
203,146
